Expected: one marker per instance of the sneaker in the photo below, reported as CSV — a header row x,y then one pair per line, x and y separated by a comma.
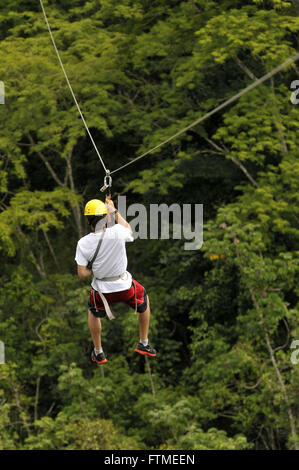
x,y
99,358
145,350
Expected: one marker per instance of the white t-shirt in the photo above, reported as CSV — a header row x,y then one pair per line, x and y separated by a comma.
x,y
111,259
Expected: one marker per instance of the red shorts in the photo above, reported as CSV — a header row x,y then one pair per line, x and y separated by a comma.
x,y
96,306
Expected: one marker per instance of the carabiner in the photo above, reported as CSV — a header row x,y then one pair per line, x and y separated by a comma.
x,y
107,182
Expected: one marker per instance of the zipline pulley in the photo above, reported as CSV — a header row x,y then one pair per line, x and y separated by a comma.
x,y
107,183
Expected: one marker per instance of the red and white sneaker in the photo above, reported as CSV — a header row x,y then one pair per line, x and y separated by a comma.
x,y
99,358
145,350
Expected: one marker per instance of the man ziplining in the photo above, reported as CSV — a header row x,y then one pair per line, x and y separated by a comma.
x,y
102,253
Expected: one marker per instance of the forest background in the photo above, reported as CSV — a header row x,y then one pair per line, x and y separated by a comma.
x,y
224,317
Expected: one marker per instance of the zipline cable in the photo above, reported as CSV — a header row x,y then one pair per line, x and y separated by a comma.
x,y
215,110
226,103
70,87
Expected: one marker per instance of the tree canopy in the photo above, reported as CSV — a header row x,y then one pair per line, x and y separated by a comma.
x,y
223,317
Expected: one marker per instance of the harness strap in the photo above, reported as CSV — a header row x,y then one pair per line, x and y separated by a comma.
x,y
106,305
90,263
135,297
104,300
112,278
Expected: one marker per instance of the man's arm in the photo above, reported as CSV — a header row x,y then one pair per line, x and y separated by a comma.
x,y
83,271
118,218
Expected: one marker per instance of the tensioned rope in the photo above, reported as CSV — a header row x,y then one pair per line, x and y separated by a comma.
x,y
226,103
218,108
70,87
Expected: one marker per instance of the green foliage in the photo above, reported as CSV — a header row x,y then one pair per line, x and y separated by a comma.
x,y
213,439
77,434
6,439
223,317
33,211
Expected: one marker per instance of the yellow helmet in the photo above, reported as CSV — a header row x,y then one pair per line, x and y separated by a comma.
x,y
95,207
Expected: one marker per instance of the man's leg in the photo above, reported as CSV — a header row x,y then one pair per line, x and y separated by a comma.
x,y
144,321
95,327
144,347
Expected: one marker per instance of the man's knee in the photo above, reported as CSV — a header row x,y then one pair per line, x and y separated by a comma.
x,y
96,312
145,306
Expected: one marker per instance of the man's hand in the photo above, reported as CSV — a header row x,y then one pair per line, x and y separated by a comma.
x,y
110,205
118,218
